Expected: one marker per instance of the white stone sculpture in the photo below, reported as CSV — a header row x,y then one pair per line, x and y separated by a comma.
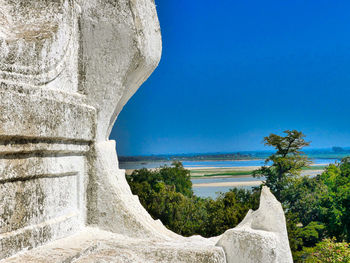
x,y
67,68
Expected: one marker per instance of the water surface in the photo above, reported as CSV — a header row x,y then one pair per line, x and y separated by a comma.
x,y
233,163
213,191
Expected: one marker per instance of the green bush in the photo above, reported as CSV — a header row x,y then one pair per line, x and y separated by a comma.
x,y
327,251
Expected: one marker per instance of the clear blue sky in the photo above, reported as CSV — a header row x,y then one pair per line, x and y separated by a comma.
x,y
234,71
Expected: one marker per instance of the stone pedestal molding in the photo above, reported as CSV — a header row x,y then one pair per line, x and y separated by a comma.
x,y
67,68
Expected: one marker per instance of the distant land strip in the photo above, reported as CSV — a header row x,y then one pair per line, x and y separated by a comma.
x,y
228,184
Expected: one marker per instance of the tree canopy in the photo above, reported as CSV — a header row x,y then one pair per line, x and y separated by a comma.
x,y
285,163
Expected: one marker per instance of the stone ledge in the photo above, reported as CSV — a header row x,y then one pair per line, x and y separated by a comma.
x,y
94,245
25,146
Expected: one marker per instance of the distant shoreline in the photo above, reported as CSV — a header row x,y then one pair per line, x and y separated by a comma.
x,y
321,153
208,172
228,184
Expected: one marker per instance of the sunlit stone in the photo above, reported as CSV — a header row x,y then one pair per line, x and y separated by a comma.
x,y
67,68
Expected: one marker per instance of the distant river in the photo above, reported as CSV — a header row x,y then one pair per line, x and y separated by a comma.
x,y
236,163
213,191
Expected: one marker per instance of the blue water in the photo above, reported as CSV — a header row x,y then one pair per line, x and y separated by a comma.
x,y
213,191
243,163
237,163
138,165
229,179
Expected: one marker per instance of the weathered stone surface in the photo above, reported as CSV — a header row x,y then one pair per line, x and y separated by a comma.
x,y
39,43
44,115
42,198
120,47
261,236
126,215
67,68
94,245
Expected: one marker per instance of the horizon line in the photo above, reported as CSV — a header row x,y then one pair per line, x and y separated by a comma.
x,y
225,152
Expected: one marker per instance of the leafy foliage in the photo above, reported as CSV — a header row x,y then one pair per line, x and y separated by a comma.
x,y
335,205
324,252
166,193
175,175
318,208
228,210
302,197
287,162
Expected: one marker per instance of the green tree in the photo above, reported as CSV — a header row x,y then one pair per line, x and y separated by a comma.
x,y
286,162
302,200
318,208
228,210
335,205
303,197
175,175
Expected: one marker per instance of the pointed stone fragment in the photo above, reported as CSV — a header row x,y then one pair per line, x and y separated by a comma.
x,y
261,236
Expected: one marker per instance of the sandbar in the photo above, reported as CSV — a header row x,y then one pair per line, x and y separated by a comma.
x,y
233,184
